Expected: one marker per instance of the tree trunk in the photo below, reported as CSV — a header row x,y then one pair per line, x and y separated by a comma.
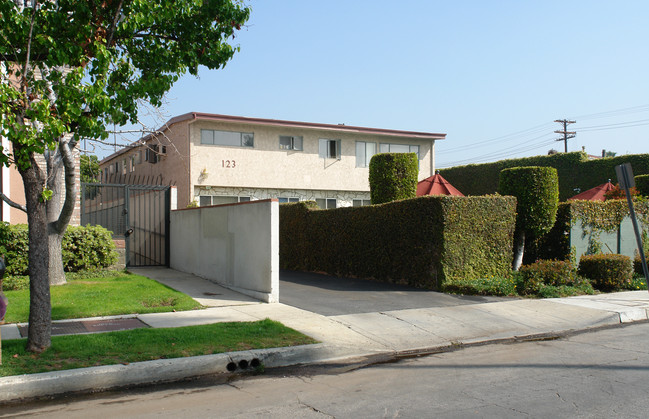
x,y
40,308
55,236
519,248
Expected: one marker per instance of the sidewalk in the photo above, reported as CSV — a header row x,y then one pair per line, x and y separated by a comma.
x,y
343,338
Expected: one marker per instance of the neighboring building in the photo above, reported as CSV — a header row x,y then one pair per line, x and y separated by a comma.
x,y
11,184
217,159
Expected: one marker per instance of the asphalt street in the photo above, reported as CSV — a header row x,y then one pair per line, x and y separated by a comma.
x,y
332,296
598,374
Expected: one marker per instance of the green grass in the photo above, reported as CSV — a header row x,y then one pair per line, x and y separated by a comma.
x,y
92,295
81,351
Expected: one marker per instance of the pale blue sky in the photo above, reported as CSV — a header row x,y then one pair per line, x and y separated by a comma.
x,y
478,71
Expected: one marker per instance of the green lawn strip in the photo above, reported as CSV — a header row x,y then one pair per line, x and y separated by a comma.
x,y
80,351
103,296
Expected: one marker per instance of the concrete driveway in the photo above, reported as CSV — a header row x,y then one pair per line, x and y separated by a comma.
x,y
333,296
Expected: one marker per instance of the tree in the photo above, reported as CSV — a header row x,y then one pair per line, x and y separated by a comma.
x,y
393,176
537,199
70,68
89,170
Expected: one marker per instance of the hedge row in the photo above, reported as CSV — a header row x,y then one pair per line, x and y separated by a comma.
x,y
575,170
83,248
594,216
420,242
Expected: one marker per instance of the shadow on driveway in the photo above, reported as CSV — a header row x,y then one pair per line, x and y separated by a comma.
x,y
333,296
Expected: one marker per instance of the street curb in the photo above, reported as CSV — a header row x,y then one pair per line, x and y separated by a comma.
x,y
102,378
97,379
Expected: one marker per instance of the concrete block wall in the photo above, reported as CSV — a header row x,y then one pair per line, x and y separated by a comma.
x,y
234,245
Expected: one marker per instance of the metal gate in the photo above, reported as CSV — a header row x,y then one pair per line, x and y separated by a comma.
x,y
138,213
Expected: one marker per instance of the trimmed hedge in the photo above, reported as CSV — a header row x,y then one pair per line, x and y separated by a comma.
x,y
420,242
83,248
606,272
546,272
393,176
537,192
642,185
595,216
575,170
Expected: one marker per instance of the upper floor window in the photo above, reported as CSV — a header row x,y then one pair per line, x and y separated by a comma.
x,y
399,148
287,142
227,138
329,149
364,153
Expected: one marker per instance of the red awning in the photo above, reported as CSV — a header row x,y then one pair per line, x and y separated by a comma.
x,y
595,194
436,185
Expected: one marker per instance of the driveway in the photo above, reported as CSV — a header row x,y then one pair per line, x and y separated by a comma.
x,y
333,296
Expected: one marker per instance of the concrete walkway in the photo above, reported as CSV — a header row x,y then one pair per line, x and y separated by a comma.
x,y
344,338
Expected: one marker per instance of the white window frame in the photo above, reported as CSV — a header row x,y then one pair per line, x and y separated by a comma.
x,y
284,199
363,149
329,148
245,139
385,148
291,142
329,203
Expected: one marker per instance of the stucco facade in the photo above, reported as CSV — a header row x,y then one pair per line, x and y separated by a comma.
x,y
273,159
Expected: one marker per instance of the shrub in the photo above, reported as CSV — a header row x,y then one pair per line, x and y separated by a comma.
x,y
86,248
481,286
607,272
637,263
642,185
14,245
83,248
546,272
393,176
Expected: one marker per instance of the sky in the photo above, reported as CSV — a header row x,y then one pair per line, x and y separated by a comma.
x,y
492,75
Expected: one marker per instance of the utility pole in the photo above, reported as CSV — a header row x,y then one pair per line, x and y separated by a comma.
x,y
566,134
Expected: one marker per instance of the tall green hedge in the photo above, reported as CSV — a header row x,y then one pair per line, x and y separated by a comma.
x,y
420,242
575,171
393,176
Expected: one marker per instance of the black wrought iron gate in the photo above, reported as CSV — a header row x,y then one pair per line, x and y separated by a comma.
x,y
138,213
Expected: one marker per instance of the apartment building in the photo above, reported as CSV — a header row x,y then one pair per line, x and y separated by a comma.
x,y
217,159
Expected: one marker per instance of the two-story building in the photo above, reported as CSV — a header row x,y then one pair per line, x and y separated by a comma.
x,y
217,159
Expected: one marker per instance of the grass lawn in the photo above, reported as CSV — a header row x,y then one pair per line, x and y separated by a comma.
x,y
80,351
89,296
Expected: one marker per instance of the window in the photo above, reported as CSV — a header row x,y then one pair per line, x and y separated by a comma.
x,y
227,138
285,200
207,200
124,166
361,202
290,143
132,167
326,203
152,154
329,149
399,148
364,153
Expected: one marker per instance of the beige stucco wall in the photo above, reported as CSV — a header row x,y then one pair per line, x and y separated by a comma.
x,y
236,246
266,166
264,171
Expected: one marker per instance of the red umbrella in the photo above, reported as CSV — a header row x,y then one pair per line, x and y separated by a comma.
x,y
595,194
436,185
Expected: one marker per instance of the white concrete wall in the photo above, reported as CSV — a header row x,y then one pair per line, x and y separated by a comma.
x,y
235,245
